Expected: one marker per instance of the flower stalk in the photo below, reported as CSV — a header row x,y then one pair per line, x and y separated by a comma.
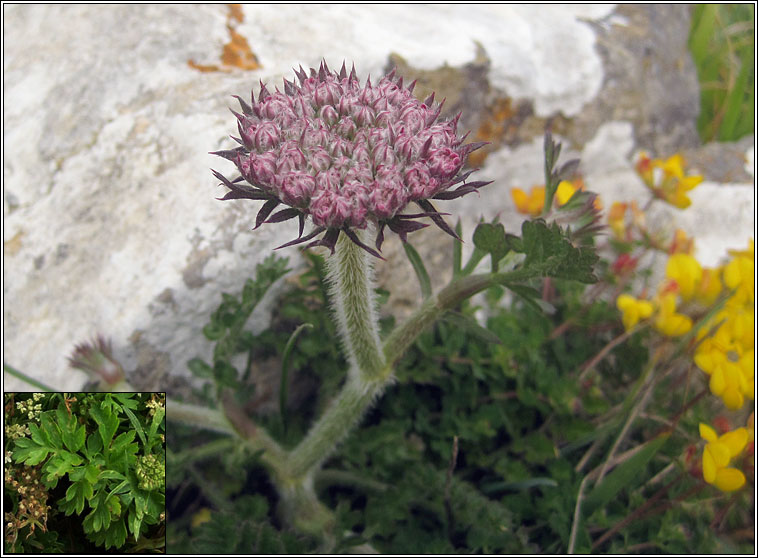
x,y
352,290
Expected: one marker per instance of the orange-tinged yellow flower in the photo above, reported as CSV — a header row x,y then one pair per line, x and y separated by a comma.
x,y
531,203
633,310
644,167
668,321
673,166
617,219
709,287
686,271
666,179
717,455
682,243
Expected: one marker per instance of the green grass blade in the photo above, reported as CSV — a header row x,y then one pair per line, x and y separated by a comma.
x,y
623,475
28,379
420,269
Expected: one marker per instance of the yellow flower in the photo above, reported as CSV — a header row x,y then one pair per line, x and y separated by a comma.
x,y
533,202
682,243
728,383
633,310
529,204
668,321
686,271
617,220
749,252
709,287
718,453
710,354
564,192
666,179
739,274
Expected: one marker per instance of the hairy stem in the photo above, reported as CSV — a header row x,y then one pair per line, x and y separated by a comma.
x,y
350,275
343,413
214,420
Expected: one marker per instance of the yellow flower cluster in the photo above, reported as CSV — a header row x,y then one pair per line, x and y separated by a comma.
x,y
727,348
533,202
718,454
683,273
666,179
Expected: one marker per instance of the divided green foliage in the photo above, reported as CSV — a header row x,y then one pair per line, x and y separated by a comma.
x,y
522,417
226,328
94,474
491,238
549,250
510,382
315,353
246,529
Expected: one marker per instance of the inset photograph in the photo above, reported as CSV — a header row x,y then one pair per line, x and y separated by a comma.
x,y
84,473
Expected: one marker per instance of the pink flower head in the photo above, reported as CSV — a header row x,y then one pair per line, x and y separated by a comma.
x,y
347,155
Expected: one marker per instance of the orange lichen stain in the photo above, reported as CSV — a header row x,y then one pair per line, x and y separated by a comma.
x,y
12,246
492,128
235,12
236,53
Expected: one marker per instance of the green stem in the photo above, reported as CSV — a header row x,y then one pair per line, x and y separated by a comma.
x,y
28,379
448,298
211,419
202,417
350,275
198,453
344,412
371,368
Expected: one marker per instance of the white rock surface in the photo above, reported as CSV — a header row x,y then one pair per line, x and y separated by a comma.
x,y
109,221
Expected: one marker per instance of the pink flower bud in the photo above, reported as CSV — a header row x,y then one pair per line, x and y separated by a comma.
x,y
267,136
329,115
290,159
297,188
319,159
261,168
345,154
444,163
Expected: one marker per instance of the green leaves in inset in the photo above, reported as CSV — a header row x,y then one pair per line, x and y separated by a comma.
x,y
107,422
113,536
44,440
72,433
59,464
137,426
76,494
105,508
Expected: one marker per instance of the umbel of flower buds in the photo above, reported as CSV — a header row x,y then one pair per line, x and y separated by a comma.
x,y
347,155
150,471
